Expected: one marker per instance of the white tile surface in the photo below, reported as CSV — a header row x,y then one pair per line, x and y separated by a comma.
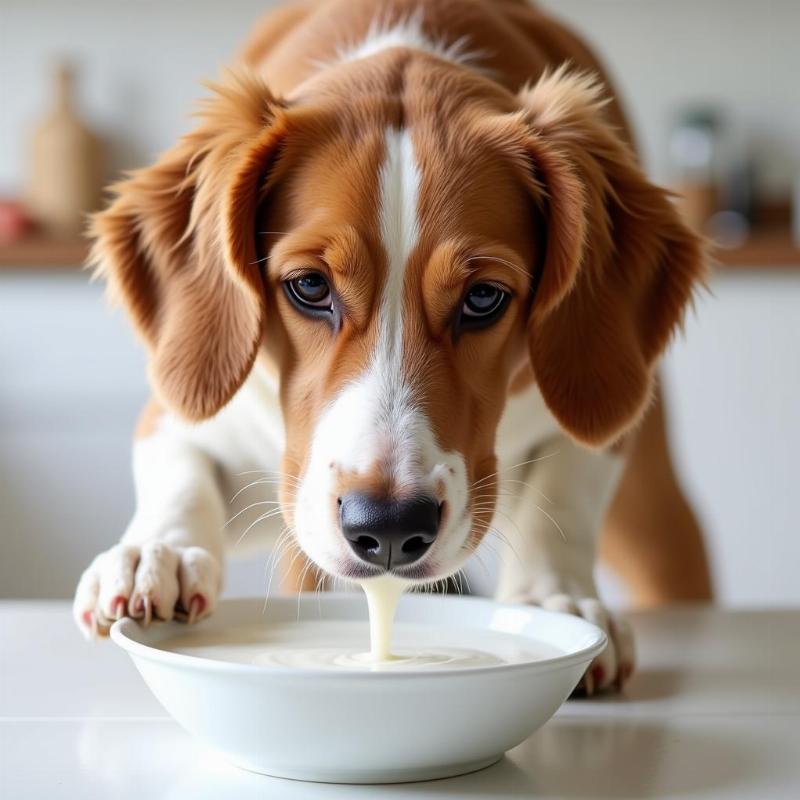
x,y
732,756
713,713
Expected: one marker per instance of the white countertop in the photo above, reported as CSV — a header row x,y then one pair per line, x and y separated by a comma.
x,y
714,712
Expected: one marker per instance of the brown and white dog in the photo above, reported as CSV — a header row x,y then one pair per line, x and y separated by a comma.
x,y
404,249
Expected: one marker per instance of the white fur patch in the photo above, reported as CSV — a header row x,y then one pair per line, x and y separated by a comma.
x,y
374,422
375,414
409,32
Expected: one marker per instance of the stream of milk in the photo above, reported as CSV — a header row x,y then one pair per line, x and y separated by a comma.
x,y
383,595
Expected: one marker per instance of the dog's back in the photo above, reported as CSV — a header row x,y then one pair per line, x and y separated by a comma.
x,y
511,42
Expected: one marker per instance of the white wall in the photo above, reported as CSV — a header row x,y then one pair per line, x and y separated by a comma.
x,y
733,389
72,386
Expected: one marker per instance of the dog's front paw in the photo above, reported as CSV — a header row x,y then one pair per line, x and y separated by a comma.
x,y
614,666
153,580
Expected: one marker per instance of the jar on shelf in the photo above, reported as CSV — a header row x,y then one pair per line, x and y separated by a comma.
x,y
65,169
695,150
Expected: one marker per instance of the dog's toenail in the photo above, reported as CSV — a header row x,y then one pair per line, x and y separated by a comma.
x,y
119,607
147,604
196,607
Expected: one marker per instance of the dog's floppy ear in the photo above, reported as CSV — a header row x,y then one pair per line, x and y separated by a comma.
x,y
177,248
619,265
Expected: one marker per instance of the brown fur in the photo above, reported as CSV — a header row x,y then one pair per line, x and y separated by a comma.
x,y
650,537
619,271
176,247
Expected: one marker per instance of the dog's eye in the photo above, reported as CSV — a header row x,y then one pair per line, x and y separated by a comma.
x,y
483,304
310,290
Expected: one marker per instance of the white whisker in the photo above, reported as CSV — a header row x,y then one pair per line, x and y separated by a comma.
x,y
478,483
255,522
252,505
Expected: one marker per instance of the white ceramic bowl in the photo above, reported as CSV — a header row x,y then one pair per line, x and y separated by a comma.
x,y
362,726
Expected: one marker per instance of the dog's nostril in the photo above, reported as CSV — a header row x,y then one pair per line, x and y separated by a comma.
x,y
414,545
367,544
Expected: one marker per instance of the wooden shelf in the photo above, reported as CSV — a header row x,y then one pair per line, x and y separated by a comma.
x,y
765,249
770,248
43,252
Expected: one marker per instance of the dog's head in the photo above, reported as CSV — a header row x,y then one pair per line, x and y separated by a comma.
x,y
403,264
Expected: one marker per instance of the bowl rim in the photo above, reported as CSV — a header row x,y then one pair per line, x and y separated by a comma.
x,y
120,636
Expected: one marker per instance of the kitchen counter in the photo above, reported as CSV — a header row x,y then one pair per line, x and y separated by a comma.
x,y
713,712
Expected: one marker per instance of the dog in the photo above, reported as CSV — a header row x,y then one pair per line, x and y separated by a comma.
x,y
405,266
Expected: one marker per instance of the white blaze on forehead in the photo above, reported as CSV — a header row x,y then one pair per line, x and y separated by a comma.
x,y
399,193
375,422
374,416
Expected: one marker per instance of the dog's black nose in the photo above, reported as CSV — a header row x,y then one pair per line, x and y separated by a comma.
x,y
389,533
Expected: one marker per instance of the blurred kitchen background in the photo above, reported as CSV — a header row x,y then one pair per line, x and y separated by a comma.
x,y
91,87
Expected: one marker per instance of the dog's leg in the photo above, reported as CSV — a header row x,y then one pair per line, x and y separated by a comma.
x,y
651,537
560,505
169,561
